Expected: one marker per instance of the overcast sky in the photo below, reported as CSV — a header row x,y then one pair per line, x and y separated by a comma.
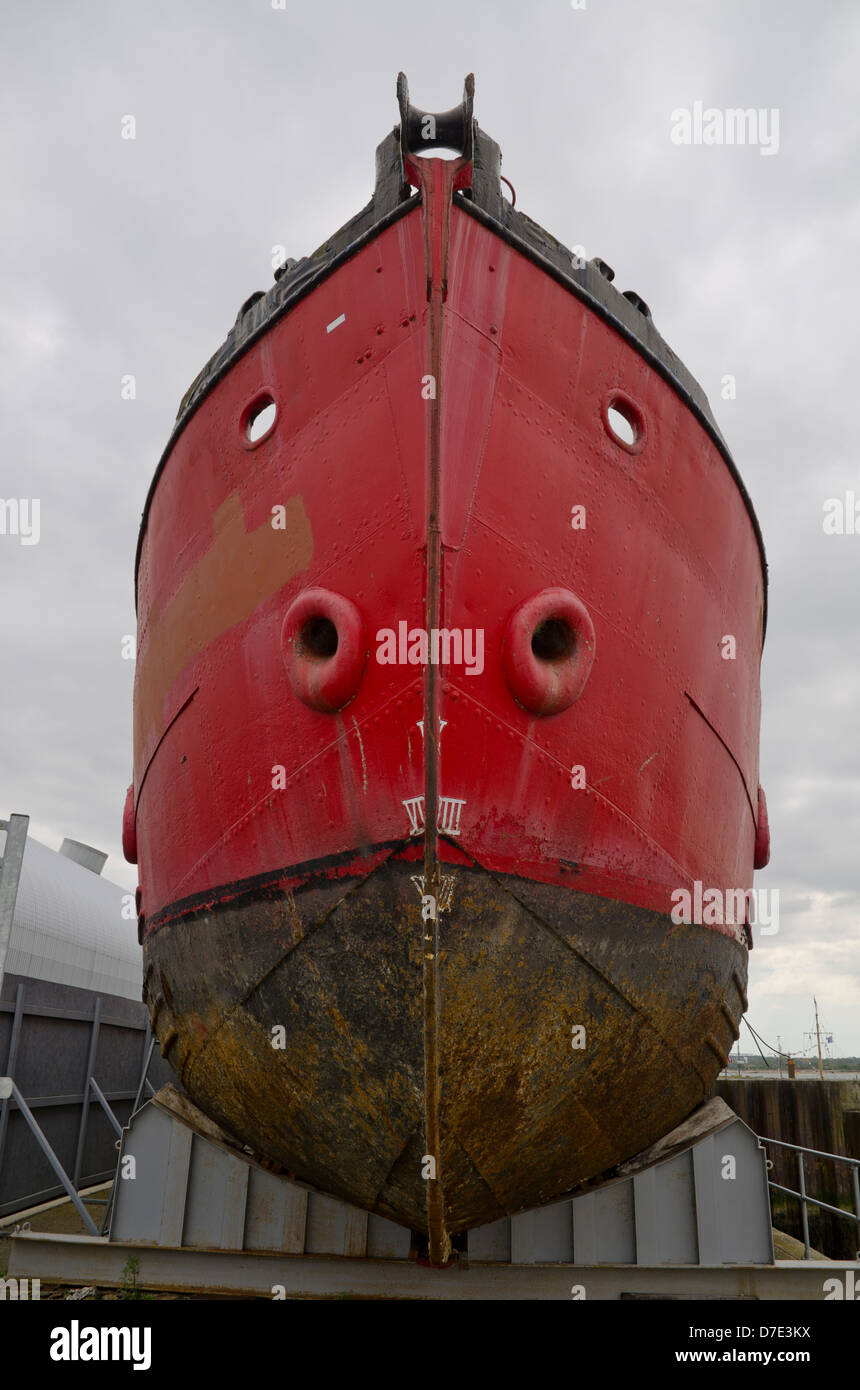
x,y
257,126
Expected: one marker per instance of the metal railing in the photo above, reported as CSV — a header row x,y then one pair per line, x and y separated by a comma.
x,y
803,1196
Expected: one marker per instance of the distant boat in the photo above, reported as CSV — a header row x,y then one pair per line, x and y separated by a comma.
x,y
450,612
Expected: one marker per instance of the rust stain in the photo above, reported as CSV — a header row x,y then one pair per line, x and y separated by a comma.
x,y
238,572
524,1116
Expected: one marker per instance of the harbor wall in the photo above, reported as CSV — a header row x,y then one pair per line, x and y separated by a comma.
x,y
822,1115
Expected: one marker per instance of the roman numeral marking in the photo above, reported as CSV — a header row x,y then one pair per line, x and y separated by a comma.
x,y
449,810
446,890
449,814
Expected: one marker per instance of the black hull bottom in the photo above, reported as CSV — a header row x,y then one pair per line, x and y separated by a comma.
x,y
297,1024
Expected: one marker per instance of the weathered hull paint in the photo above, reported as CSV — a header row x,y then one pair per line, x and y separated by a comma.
x,y
442,385
525,1116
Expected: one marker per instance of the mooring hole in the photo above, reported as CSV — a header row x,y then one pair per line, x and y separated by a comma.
x,y
318,637
261,419
623,424
553,640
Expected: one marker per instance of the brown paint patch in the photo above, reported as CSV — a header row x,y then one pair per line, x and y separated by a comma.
x,y
238,572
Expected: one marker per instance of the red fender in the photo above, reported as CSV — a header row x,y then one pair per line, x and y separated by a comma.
x,y
548,651
129,834
324,646
762,834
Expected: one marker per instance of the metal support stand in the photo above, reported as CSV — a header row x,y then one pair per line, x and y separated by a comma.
x,y
688,1218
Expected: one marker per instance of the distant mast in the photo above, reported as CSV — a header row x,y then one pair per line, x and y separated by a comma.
x,y
818,1036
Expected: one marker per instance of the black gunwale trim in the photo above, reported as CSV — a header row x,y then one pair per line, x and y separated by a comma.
x,y
241,891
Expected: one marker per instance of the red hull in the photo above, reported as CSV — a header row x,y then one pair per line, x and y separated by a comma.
x,y
444,511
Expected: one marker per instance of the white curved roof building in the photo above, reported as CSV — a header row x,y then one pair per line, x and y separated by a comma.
x,y
68,925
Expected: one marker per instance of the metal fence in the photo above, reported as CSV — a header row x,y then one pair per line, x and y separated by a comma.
x,y
805,1199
